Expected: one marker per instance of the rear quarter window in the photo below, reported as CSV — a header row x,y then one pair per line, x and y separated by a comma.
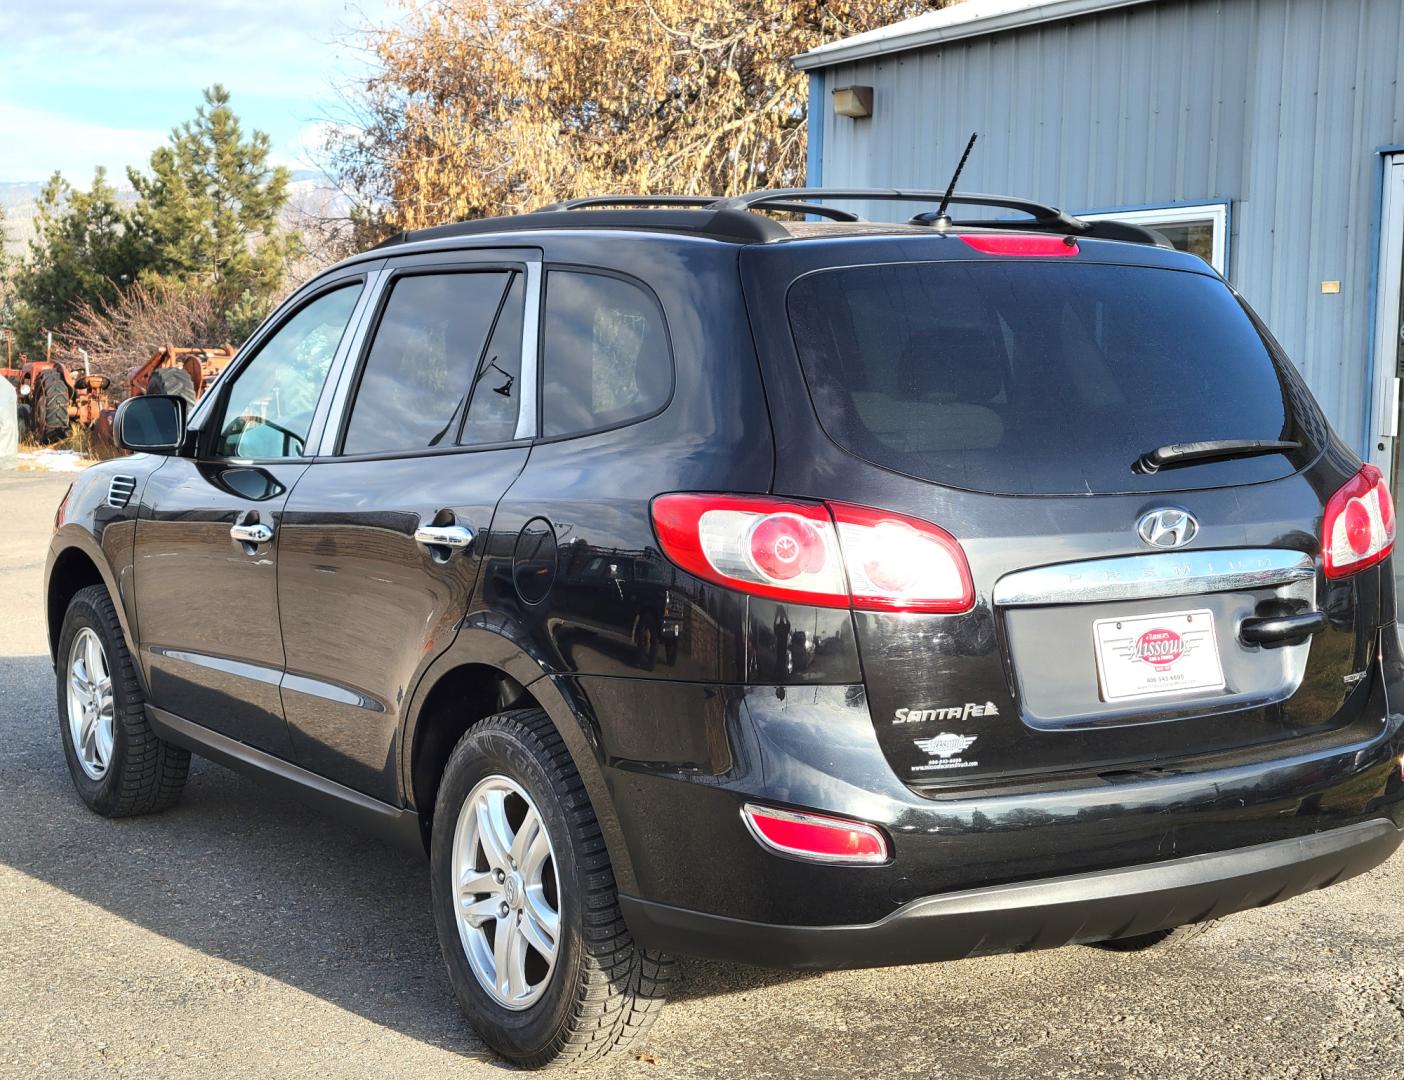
x,y
1026,377
606,360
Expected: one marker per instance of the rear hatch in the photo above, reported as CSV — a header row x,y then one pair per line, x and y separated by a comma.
x,y
1119,613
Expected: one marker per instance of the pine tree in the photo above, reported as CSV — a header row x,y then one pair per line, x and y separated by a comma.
x,y
208,213
82,253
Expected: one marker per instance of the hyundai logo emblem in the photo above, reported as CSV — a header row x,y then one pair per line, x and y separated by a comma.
x,y
1167,528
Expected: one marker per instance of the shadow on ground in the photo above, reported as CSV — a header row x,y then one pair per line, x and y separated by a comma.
x,y
243,873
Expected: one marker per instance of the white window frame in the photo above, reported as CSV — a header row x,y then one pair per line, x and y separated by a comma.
x,y
1215,213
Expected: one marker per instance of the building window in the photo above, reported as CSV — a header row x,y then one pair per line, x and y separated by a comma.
x,y
1201,230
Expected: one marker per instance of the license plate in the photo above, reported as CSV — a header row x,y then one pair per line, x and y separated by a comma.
x,y
1147,655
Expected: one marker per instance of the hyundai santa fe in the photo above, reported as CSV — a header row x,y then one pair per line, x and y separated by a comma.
x,y
741,579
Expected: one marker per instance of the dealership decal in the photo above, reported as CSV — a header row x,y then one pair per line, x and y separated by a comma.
x,y
1159,647
955,712
945,750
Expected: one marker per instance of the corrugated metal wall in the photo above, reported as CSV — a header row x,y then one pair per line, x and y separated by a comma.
x,y
1276,106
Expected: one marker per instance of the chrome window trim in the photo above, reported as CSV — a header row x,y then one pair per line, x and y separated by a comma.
x,y
343,372
325,283
1143,577
531,333
328,405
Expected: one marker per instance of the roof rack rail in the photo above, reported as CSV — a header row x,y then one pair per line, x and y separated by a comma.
x,y
735,219
698,202
758,200
733,226
1042,218
590,202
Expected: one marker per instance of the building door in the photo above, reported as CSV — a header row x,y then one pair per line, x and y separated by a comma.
x,y
1389,334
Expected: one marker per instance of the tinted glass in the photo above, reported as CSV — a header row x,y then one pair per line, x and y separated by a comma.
x,y
1038,377
492,405
417,376
270,404
605,353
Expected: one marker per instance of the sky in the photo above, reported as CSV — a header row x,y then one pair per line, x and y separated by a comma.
x,y
102,82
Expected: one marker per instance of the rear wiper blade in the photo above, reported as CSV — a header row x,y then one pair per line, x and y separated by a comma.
x,y
1192,453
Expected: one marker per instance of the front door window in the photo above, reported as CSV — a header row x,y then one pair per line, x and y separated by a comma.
x,y
268,411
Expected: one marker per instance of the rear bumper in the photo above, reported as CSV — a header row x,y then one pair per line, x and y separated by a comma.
x,y
1035,914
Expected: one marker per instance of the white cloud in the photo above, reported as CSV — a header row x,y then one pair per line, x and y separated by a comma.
x,y
37,142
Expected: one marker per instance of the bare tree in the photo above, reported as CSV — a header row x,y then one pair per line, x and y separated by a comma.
x,y
488,106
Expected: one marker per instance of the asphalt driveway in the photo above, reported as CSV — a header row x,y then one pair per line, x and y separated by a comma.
x,y
240,934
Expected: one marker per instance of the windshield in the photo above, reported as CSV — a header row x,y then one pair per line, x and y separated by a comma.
x,y
1042,377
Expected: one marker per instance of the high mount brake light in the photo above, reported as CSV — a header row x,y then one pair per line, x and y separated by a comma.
x,y
1357,529
815,837
824,554
1022,244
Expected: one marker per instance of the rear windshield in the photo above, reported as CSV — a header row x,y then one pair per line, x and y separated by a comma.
x,y
1040,377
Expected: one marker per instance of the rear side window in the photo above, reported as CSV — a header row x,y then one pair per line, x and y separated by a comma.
x,y
1029,377
605,354
496,392
414,387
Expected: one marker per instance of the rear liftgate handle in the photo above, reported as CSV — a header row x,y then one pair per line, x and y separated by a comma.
x,y
441,541
1276,629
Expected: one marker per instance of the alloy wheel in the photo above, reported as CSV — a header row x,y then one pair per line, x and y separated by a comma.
x,y
90,706
506,892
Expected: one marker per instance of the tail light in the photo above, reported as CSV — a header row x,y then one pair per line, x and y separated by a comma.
x,y
1358,528
825,554
816,837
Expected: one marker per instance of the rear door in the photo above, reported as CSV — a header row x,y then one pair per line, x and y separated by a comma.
x,y
207,540
1009,401
379,545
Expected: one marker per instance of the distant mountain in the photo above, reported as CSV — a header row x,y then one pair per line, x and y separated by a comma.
x,y
311,193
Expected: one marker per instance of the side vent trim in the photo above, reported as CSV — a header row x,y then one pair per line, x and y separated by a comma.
x,y
120,491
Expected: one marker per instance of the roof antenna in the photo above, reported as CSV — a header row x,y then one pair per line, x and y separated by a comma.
x,y
942,220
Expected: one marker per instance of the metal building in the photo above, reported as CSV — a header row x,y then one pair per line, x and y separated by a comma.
x,y
1266,135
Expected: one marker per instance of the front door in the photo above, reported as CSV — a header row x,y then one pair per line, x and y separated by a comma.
x,y
205,559
381,540
1389,333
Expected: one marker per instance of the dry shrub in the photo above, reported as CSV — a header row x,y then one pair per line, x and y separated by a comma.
x,y
141,320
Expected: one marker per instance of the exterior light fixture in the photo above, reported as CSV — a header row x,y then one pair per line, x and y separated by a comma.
x,y
854,101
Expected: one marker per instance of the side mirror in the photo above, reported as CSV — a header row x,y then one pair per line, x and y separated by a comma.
x,y
150,424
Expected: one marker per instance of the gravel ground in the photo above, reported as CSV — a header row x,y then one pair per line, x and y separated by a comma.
x,y
242,935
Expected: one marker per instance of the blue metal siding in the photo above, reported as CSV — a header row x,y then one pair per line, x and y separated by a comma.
x,y
1276,106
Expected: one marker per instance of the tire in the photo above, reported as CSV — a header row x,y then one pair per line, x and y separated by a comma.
x,y
51,406
1156,939
601,991
24,418
173,382
139,772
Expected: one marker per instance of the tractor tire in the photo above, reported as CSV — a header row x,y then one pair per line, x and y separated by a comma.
x,y
50,419
173,382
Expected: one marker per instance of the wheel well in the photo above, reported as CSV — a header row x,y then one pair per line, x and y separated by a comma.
x,y
73,570
456,702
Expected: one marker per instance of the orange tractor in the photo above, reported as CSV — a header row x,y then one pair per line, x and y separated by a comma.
x,y
54,395
182,373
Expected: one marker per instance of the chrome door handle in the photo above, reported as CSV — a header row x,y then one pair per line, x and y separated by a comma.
x,y
252,534
453,537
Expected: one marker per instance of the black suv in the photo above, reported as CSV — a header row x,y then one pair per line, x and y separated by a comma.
x,y
809,593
